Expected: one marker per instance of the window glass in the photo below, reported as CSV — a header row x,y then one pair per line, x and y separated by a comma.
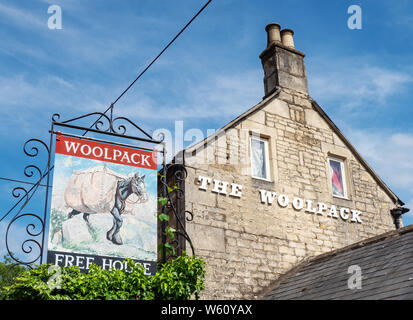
x,y
337,178
259,158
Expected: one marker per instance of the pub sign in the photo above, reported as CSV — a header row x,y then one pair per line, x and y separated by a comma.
x,y
104,204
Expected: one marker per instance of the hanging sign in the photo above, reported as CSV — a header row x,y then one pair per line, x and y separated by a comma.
x,y
104,205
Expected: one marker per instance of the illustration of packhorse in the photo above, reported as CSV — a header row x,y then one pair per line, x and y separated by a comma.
x,y
101,190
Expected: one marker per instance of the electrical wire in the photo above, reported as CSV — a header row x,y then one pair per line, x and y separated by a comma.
x,y
21,181
163,50
153,61
111,105
28,192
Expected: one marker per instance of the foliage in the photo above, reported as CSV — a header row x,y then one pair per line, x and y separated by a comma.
x,y
9,271
179,279
176,279
169,231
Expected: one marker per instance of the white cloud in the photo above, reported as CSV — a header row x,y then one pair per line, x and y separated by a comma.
x,y
217,96
22,17
357,84
27,102
390,155
82,43
409,204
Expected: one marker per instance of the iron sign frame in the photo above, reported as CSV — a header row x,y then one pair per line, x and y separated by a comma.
x,y
109,126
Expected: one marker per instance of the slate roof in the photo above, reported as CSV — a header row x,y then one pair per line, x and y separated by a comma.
x,y
386,263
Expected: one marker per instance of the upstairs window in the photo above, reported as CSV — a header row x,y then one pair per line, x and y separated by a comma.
x,y
260,164
338,177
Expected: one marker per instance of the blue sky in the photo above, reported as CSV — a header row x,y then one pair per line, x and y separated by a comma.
x,y
361,78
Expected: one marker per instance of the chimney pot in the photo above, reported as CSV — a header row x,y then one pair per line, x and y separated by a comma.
x,y
283,65
287,38
273,33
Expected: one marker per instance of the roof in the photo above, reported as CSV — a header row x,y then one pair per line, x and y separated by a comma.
x,y
266,100
385,261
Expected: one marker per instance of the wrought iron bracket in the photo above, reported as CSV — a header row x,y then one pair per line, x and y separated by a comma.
x,y
173,189
33,242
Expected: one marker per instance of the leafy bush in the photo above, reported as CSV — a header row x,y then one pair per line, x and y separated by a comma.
x,y
9,270
178,279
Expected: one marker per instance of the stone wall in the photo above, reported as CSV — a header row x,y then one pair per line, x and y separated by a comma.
x,y
247,244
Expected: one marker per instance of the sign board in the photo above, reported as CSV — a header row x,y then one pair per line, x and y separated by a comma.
x,y
104,205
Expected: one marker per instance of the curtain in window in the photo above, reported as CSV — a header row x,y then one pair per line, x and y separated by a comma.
x,y
258,159
337,178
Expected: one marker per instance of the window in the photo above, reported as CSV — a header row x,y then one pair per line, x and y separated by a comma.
x,y
260,164
338,177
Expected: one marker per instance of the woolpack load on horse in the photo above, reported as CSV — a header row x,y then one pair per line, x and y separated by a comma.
x,y
100,190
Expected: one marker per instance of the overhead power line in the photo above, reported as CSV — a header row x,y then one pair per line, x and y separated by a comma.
x,y
153,61
163,50
21,181
28,192
111,105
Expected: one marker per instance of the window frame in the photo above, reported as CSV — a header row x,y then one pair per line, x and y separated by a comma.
x,y
343,174
266,157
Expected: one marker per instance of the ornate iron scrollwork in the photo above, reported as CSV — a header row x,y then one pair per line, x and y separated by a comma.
x,y
32,239
31,249
173,186
107,124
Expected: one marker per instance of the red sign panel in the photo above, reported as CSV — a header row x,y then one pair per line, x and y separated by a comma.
x,y
105,152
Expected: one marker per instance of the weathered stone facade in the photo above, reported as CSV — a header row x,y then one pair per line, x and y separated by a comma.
x,y
247,243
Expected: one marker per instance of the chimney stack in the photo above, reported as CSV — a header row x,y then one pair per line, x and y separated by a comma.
x,y
287,38
283,65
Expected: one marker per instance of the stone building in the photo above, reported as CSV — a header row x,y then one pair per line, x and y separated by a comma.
x,y
278,184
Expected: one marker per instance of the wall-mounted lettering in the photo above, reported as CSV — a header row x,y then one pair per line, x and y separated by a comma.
x,y
220,187
270,197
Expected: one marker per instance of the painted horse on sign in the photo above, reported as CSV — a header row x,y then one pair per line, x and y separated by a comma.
x,y
100,190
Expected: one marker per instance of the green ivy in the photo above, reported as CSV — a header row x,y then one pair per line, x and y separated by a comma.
x,y
177,279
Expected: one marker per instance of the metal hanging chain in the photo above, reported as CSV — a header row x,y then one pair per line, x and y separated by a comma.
x,y
153,61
